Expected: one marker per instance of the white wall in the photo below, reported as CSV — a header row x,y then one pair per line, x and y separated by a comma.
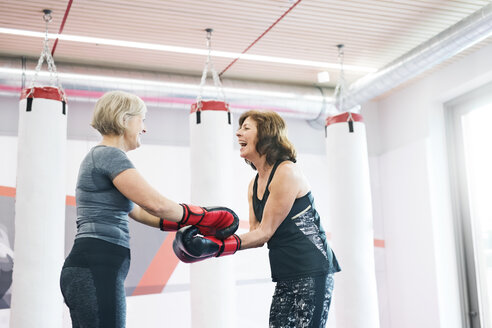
x,y
409,156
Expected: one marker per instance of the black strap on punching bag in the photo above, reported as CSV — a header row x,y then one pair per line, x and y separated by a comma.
x,y
198,117
29,104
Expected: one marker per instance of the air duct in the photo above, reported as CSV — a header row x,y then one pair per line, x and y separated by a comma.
x,y
444,45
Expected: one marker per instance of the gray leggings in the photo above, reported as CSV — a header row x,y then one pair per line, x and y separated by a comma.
x,y
302,302
92,283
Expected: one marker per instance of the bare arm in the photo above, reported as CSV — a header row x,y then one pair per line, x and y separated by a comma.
x,y
151,204
284,189
144,217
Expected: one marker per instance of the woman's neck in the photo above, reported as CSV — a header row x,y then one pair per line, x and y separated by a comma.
x,y
114,141
263,167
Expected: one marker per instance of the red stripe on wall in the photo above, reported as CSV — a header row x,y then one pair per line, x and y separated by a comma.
x,y
379,243
160,269
9,88
7,191
70,200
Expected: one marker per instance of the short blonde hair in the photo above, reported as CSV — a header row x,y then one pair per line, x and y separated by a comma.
x,y
113,110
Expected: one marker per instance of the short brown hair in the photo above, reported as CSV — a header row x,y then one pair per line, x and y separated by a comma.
x,y
113,110
272,136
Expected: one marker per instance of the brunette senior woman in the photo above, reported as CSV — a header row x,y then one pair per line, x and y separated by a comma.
x,y
109,190
281,214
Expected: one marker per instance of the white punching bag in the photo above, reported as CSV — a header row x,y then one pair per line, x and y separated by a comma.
x,y
213,298
39,210
350,215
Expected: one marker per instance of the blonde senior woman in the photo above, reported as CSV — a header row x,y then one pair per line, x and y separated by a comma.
x,y
109,190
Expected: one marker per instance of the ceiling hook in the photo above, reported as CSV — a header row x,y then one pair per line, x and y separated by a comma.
x,y
47,15
209,32
340,50
209,38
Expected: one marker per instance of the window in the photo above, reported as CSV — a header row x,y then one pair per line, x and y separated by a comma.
x,y
470,148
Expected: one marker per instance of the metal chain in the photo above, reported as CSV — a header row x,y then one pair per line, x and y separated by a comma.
x,y
209,65
46,54
340,89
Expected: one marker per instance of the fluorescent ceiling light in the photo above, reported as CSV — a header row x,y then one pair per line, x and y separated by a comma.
x,y
192,89
185,50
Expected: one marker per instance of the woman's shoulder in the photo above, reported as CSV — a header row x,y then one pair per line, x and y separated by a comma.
x,y
109,157
287,167
103,151
286,171
290,174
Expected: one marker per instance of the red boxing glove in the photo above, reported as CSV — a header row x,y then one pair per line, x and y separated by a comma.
x,y
190,247
220,222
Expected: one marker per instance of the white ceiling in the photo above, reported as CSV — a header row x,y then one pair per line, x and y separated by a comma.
x,y
374,32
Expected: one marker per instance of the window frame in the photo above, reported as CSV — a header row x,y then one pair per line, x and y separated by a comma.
x,y
454,110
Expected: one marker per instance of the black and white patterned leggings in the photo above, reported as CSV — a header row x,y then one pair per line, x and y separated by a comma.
x,y
302,303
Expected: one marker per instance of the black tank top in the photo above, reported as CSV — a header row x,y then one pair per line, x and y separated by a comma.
x,y
298,248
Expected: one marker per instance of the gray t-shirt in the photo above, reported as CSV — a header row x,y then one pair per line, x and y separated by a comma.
x,y
102,211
